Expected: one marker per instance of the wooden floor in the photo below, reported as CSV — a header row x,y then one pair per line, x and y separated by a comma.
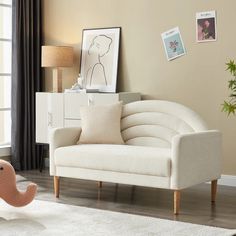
x,y
195,202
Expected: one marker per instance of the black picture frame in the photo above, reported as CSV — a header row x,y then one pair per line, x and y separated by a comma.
x,y
99,58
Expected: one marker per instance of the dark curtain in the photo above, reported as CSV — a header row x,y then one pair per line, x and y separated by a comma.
x,y
26,80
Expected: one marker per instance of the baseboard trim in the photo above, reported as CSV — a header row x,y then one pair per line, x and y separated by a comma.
x,y
5,151
228,180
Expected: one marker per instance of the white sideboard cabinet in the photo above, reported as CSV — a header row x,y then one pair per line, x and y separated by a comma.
x,y
63,109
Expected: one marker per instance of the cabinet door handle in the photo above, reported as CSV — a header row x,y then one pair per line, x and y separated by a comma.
x,y
49,119
90,100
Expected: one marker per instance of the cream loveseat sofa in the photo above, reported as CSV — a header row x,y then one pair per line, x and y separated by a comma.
x,y
167,145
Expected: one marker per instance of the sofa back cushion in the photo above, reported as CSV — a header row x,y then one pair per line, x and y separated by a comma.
x,y
155,122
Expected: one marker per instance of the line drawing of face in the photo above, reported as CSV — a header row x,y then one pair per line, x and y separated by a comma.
x,y
100,44
95,69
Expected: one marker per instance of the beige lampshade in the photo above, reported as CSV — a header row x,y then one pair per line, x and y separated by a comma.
x,y
57,56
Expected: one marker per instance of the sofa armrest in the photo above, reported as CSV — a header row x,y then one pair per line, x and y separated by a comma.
x,y
61,137
196,158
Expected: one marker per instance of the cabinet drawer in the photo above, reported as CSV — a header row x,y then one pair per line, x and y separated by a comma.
x,y
72,103
72,123
102,99
42,117
55,110
49,114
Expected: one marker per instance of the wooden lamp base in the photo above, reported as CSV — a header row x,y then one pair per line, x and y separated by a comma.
x,y
57,80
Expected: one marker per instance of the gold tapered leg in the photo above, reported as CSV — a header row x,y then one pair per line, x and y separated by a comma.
x,y
176,202
56,186
213,190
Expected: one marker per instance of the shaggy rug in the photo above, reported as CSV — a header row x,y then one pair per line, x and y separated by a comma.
x,y
55,219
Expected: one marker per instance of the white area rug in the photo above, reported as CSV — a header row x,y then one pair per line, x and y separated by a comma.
x,y
54,219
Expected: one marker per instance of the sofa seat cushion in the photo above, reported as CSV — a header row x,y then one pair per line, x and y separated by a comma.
x,y
118,158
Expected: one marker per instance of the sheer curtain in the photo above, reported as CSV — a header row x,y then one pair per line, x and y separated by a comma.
x,y
26,80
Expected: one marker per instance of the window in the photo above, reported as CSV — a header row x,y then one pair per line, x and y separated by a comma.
x,y
5,71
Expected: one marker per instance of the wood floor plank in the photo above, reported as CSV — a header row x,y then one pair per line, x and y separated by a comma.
x,y
196,204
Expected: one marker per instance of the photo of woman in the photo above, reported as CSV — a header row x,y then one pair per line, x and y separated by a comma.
x,y
206,26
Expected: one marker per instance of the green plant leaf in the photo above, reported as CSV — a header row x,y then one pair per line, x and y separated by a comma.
x,y
232,95
229,108
232,84
231,66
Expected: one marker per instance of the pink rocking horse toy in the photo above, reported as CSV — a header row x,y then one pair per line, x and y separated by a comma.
x,y
8,190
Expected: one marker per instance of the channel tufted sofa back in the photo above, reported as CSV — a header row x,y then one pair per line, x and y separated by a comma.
x,y
156,122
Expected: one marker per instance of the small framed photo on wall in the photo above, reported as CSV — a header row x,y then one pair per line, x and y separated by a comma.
x,y
206,26
99,59
173,43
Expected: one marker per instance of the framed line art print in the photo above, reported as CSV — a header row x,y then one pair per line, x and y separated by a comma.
x,y
206,26
173,43
99,59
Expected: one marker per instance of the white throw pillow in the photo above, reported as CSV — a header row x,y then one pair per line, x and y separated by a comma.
x,y
101,124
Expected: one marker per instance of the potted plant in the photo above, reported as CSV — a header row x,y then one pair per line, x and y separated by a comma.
x,y
230,106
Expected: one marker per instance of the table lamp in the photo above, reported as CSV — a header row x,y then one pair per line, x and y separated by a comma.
x,y
57,57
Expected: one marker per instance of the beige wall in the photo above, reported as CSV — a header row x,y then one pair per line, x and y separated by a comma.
x,y
1,92
1,112
1,84
197,80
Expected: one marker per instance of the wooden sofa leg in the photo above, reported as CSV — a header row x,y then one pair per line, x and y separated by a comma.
x,y
213,190
100,184
56,186
176,201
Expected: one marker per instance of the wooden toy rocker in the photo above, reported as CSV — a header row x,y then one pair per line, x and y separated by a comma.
x,y
8,190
